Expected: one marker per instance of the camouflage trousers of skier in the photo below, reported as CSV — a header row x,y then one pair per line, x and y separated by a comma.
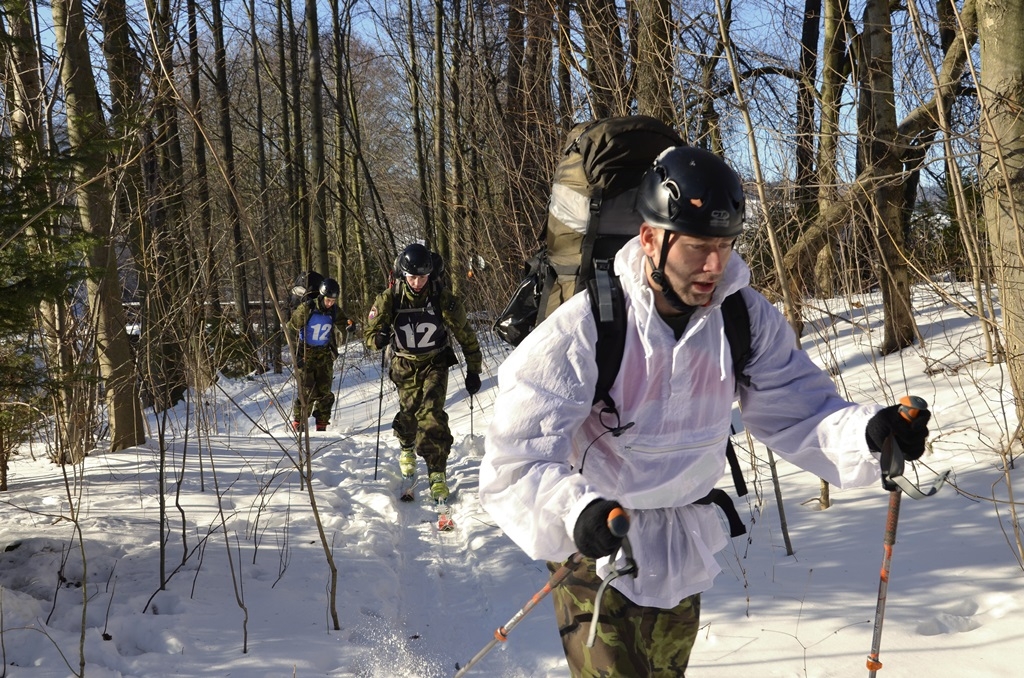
x,y
421,423
314,376
632,640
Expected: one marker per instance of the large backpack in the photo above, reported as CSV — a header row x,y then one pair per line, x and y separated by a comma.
x,y
591,214
306,286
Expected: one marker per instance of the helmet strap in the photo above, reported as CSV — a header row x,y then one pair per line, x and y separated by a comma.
x,y
658,276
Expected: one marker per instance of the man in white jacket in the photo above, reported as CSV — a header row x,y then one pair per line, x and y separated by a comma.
x,y
551,474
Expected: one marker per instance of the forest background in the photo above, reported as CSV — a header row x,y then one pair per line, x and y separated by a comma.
x,y
169,167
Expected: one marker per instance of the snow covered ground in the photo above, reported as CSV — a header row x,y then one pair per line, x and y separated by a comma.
x,y
248,580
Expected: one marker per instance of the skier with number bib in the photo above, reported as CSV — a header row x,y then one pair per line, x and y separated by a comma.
x,y
318,324
557,463
414,318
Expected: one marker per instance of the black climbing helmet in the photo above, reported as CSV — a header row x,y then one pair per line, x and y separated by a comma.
x,y
329,288
415,260
692,191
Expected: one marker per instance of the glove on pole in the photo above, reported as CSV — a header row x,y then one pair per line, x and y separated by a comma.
x,y
594,534
901,424
472,387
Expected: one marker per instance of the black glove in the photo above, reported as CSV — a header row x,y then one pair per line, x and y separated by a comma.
x,y
909,435
591,533
472,382
381,339
350,327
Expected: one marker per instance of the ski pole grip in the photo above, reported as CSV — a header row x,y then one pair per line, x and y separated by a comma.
x,y
618,521
911,406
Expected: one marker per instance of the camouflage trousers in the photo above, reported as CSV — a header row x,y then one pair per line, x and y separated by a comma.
x,y
632,640
314,377
421,423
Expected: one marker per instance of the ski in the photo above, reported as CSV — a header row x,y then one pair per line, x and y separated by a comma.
x,y
408,492
444,516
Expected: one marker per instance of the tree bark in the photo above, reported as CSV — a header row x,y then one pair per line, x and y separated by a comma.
x,y
654,60
293,107
26,104
318,205
885,195
88,138
239,277
606,58
418,132
806,195
1001,37
440,172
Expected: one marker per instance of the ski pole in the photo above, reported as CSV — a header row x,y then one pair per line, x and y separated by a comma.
x,y
618,523
380,412
910,407
471,416
341,378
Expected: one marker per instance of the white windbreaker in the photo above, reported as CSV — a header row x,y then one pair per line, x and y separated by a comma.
x,y
548,455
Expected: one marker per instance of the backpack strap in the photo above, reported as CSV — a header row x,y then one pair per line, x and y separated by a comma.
x,y
724,502
609,309
588,267
736,318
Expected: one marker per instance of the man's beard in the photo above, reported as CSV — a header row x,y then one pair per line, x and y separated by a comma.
x,y
672,297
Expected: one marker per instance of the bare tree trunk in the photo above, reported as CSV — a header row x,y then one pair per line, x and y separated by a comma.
x,y
564,69
465,238
274,322
1001,37
606,58
418,134
805,95
829,214
340,37
513,125
707,131
26,104
654,60
294,227
239,278
152,186
440,172
298,158
349,158
318,205
885,191
210,293
87,137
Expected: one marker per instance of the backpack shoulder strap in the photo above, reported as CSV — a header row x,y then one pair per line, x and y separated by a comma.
x,y
434,293
736,318
737,330
609,308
